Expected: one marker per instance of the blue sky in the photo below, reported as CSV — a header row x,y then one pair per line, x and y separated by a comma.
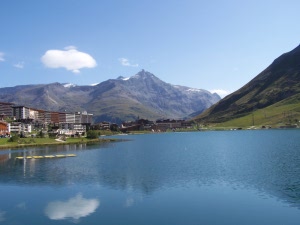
x,y
213,45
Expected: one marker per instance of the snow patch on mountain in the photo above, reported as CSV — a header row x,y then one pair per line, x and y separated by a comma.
x,y
194,90
69,85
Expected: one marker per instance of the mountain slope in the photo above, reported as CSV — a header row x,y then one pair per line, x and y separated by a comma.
x,y
283,113
147,96
142,95
279,81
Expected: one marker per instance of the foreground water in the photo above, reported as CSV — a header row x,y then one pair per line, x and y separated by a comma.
x,y
231,177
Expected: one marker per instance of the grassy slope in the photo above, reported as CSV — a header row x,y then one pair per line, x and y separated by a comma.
x,y
281,113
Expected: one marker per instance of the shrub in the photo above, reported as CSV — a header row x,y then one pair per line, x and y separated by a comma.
x,y
92,134
40,134
14,138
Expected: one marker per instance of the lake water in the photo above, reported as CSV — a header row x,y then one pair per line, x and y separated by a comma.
x,y
215,177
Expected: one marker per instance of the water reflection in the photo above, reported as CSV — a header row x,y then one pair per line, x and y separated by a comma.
x,y
267,161
21,205
4,158
74,208
39,171
129,202
2,216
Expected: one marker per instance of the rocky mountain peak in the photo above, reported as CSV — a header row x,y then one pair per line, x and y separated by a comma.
x,y
145,75
121,78
140,77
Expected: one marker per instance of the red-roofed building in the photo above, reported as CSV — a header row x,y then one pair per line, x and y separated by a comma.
x,y
4,128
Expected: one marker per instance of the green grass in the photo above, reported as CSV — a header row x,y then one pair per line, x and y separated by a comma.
x,y
4,142
281,113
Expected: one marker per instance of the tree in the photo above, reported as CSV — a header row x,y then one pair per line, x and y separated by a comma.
x,y
92,134
41,134
114,127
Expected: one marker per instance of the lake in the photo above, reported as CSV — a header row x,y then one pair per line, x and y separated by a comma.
x,y
215,177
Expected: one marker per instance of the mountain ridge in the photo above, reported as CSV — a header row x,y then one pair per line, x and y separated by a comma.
x,y
141,95
279,81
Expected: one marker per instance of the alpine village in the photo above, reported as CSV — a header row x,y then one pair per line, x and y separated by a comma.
x,y
144,103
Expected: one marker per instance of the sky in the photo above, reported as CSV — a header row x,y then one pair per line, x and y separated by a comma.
x,y
216,45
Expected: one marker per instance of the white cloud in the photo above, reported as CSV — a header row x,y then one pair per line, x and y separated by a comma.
x,y
70,47
129,202
221,92
2,57
21,205
2,216
125,62
74,208
19,65
70,58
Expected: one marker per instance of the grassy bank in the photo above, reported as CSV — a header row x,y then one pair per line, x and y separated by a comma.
x,y
27,142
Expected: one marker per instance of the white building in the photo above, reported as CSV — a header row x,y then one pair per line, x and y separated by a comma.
x,y
21,112
18,127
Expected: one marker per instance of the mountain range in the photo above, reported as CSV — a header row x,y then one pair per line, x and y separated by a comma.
x,y
142,95
276,90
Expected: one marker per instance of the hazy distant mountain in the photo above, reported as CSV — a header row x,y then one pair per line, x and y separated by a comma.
x,y
142,95
278,82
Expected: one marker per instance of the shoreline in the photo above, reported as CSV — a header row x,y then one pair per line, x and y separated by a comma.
x,y
80,141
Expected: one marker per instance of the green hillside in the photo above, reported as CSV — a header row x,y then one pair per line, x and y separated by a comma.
x,y
285,112
271,98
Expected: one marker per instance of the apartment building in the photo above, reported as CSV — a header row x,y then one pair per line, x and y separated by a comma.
x,y
83,118
70,118
54,117
172,124
6,109
168,124
71,129
66,117
21,112
68,123
18,127
33,114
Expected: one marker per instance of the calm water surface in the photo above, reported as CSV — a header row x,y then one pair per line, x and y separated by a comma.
x,y
230,177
